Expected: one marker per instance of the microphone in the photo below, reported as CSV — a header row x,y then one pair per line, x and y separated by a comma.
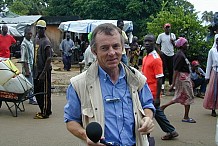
x,y
94,131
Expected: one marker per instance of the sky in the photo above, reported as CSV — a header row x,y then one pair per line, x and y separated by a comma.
x,y
205,5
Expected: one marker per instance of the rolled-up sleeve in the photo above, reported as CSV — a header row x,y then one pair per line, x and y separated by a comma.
x,y
72,110
23,52
146,98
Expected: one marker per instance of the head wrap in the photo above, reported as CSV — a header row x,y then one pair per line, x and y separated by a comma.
x,y
180,42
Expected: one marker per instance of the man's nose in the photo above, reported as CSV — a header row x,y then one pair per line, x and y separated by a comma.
x,y
146,43
111,51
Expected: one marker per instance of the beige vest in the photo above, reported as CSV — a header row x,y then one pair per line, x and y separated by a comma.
x,y
87,86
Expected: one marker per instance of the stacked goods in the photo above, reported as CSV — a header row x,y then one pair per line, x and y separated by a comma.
x,y
11,80
7,71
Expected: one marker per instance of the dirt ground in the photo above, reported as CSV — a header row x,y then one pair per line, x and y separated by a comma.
x,y
59,76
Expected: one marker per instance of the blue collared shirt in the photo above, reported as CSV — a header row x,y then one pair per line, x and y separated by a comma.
x,y
195,76
118,107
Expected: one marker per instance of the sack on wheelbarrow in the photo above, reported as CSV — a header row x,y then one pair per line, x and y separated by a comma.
x,y
7,71
18,84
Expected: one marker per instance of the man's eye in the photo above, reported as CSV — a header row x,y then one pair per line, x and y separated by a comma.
x,y
117,47
104,48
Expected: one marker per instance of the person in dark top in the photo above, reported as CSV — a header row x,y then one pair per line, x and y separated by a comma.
x,y
42,71
182,80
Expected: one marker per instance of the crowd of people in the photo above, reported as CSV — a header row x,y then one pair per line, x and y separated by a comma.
x,y
36,64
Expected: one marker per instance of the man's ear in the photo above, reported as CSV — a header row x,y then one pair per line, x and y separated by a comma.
x,y
94,51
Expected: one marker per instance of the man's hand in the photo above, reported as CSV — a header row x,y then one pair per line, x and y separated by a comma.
x,y
90,143
42,76
147,125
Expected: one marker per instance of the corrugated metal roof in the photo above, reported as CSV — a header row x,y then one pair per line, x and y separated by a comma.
x,y
30,19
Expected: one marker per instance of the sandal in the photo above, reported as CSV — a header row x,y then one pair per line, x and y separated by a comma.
x,y
190,120
40,116
170,136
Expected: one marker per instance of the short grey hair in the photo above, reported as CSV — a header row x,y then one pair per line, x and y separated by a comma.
x,y
106,28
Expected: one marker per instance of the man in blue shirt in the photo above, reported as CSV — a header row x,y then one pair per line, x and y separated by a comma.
x,y
198,78
67,46
110,93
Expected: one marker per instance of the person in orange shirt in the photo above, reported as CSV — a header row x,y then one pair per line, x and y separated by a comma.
x,y
6,41
153,70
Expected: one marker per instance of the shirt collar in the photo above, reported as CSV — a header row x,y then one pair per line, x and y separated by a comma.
x,y
103,75
152,52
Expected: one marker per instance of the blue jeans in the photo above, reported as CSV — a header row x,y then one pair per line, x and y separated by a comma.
x,y
67,62
124,59
30,94
163,121
200,82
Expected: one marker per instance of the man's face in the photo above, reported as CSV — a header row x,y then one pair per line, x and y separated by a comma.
x,y
108,50
68,37
87,44
41,31
149,43
185,46
28,35
4,30
167,29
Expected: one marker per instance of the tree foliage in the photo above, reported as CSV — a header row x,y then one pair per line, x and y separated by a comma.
x,y
19,8
29,7
207,16
60,8
137,11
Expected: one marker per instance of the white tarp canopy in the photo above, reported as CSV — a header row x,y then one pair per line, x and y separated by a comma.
x,y
86,26
16,25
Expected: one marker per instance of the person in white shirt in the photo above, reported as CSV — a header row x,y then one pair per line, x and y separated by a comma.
x,y
89,57
211,76
27,54
166,43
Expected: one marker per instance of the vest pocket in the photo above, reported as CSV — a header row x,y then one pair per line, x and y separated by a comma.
x,y
88,112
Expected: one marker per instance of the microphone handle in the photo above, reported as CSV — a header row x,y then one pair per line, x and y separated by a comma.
x,y
104,142
108,143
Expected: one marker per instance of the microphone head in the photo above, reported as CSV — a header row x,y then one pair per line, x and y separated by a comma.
x,y
94,131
